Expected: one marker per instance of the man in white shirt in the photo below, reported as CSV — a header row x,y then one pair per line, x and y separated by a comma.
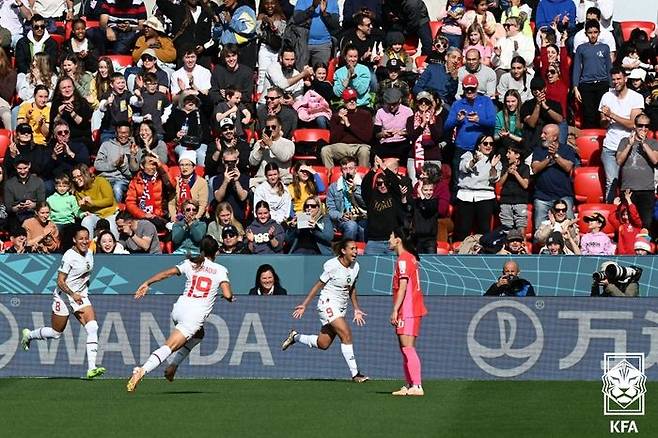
x,y
605,36
618,109
605,7
515,43
283,74
13,14
191,77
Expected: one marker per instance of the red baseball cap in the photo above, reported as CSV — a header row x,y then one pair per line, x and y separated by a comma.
x,y
470,81
349,94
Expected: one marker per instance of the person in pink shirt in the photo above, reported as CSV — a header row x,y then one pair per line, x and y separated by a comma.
x,y
595,241
408,308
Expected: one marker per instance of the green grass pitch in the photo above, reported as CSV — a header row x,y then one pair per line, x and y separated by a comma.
x,y
307,408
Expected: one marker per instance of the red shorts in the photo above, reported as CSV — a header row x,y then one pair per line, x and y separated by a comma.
x,y
409,326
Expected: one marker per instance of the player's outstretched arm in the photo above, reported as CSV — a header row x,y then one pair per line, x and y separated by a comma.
x,y
299,310
359,315
163,275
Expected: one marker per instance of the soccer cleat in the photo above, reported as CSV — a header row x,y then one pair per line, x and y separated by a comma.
x,y
138,375
95,372
289,340
416,390
25,339
360,378
170,372
402,391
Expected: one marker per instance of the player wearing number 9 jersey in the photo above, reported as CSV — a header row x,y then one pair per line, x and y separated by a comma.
x,y
337,285
204,278
408,307
73,278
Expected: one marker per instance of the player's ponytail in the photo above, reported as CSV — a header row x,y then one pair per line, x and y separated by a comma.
x,y
208,249
338,247
408,240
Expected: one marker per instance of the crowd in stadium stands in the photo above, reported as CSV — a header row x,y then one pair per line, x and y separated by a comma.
x,y
509,126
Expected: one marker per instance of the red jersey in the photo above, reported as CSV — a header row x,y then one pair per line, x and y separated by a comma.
x,y
413,305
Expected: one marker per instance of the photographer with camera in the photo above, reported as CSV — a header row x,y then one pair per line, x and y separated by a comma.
x,y
510,284
616,280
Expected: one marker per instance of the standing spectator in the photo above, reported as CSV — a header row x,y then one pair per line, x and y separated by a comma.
x,y
22,193
236,24
7,88
480,14
187,232
191,78
425,131
273,192
619,108
509,125
118,159
515,44
475,40
52,11
474,66
537,113
64,209
148,192
518,78
274,107
42,233
514,192
231,73
37,40
272,148
561,11
605,36
353,76
283,74
270,25
346,206
188,185
552,164
554,68
558,222
626,221
519,9
231,185
390,127
121,21
591,74
13,17
191,27
351,132
595,241
139,236
425,217
321,19
95,198
637,157
410,17
476,200
117,108
264,235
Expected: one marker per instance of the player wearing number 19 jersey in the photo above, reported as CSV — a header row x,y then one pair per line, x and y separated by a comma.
x,y
338,285
204,278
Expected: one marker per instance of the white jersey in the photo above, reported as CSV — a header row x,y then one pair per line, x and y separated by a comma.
x,y
338,281
78,268
202,284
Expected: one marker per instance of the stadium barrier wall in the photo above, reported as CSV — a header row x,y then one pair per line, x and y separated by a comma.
x,y
440,275
461,338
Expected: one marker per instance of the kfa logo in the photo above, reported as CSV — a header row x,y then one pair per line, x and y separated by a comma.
x,y
624,387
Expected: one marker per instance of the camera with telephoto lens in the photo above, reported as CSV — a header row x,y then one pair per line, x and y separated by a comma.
x,y
615,273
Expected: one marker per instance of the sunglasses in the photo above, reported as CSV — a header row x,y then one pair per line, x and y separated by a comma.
x,y
272,97
380,183
190,209
148,58
24,132
560,210
271,126
39,26
487,143
470,89
310,206
643,125
351,101
424,102
552,72
229,234
228,128
64,132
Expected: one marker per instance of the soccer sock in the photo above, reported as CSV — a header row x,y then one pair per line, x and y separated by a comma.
x,y
92,343
413,364
180,355
44,333
310,340
348,354
156,358
405,367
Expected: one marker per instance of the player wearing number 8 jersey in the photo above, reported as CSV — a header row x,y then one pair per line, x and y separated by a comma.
x,y
72,284
204,279
337,285
408,307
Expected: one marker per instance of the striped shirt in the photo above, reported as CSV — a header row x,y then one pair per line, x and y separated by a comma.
x,y
129,14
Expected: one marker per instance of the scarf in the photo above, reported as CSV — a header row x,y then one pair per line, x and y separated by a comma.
x,y
185,190
146,200
347,202
419,150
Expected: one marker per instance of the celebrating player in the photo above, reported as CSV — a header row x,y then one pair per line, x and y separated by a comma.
x,y
408,308
73,281
204,278
338,284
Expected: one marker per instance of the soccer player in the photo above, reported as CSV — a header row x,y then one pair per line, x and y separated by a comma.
x,y
204,278
72,282
338,285
408,307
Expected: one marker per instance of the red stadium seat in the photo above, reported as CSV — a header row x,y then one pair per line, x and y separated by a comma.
x,y
529,228
410,45
435,26
589,149
6,132
311,135
122,60
4,145
59,39
605,209
331,69
443,248
360,248
588,184
628,26
651,134
420,60
597,132
250,135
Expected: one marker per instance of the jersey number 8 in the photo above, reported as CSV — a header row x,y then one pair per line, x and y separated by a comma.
x,y
200,287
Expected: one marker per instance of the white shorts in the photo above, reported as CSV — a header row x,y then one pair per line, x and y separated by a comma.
x,y
330,310
188,320
60,307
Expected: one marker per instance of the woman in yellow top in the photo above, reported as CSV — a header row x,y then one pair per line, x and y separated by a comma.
x,y
36,114
99,88
306,183
95,198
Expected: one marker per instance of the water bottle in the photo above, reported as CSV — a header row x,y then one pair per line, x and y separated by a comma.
x,y
184,128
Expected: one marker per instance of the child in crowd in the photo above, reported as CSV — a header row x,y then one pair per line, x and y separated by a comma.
x,y
628,224
117,107
451,27
514,192
153,103
235,110
394,80
64,209
595,241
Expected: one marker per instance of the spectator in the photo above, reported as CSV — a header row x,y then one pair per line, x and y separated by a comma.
x,y
390,127
148,141
7,86
153,103
514,243
121,22
231,185
233,111
642,245
224,218
395,50
425,217
595,241
306,183
554,70
22,192
188,127
64,154
518,78
481,15
71,66
311,232
313,110
41,72
81,46
191,27
273,192
441,78
188,185
520,10
13,17
148,192
270,25
283,74
591,74
64,209
100,87
155,38
37,115
24,148
606,37
37,40
137,76
514,45
361,37
561,11
190,79
510,284
619,108
95,198
231,73
637,156
106,243
71,107
558,222
274,107
319,83
236,24
267,282
18,238
537,113
187,232
138,236
42,233
272,148
555,245
626,221
353,76
227,140
393,81
478,173
514,182
231,242
264,235
322,20
434,175
346,206
475,40
552,164
410,17
117,108
351,132
474,66
118,159
509,126
451,28
424,130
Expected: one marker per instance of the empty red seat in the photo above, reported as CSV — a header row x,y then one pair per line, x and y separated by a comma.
x,y
589,149
311,135
588,184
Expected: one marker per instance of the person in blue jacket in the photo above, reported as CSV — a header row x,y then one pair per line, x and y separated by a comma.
x,y
548,10
437,77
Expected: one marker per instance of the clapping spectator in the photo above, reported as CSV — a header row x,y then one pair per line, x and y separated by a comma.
x,y
353,76
424,129
148,192
188,186
538,112
514,195
509,125
36,114
187,232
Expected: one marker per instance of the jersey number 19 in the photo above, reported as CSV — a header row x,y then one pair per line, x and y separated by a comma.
x,y
200,287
